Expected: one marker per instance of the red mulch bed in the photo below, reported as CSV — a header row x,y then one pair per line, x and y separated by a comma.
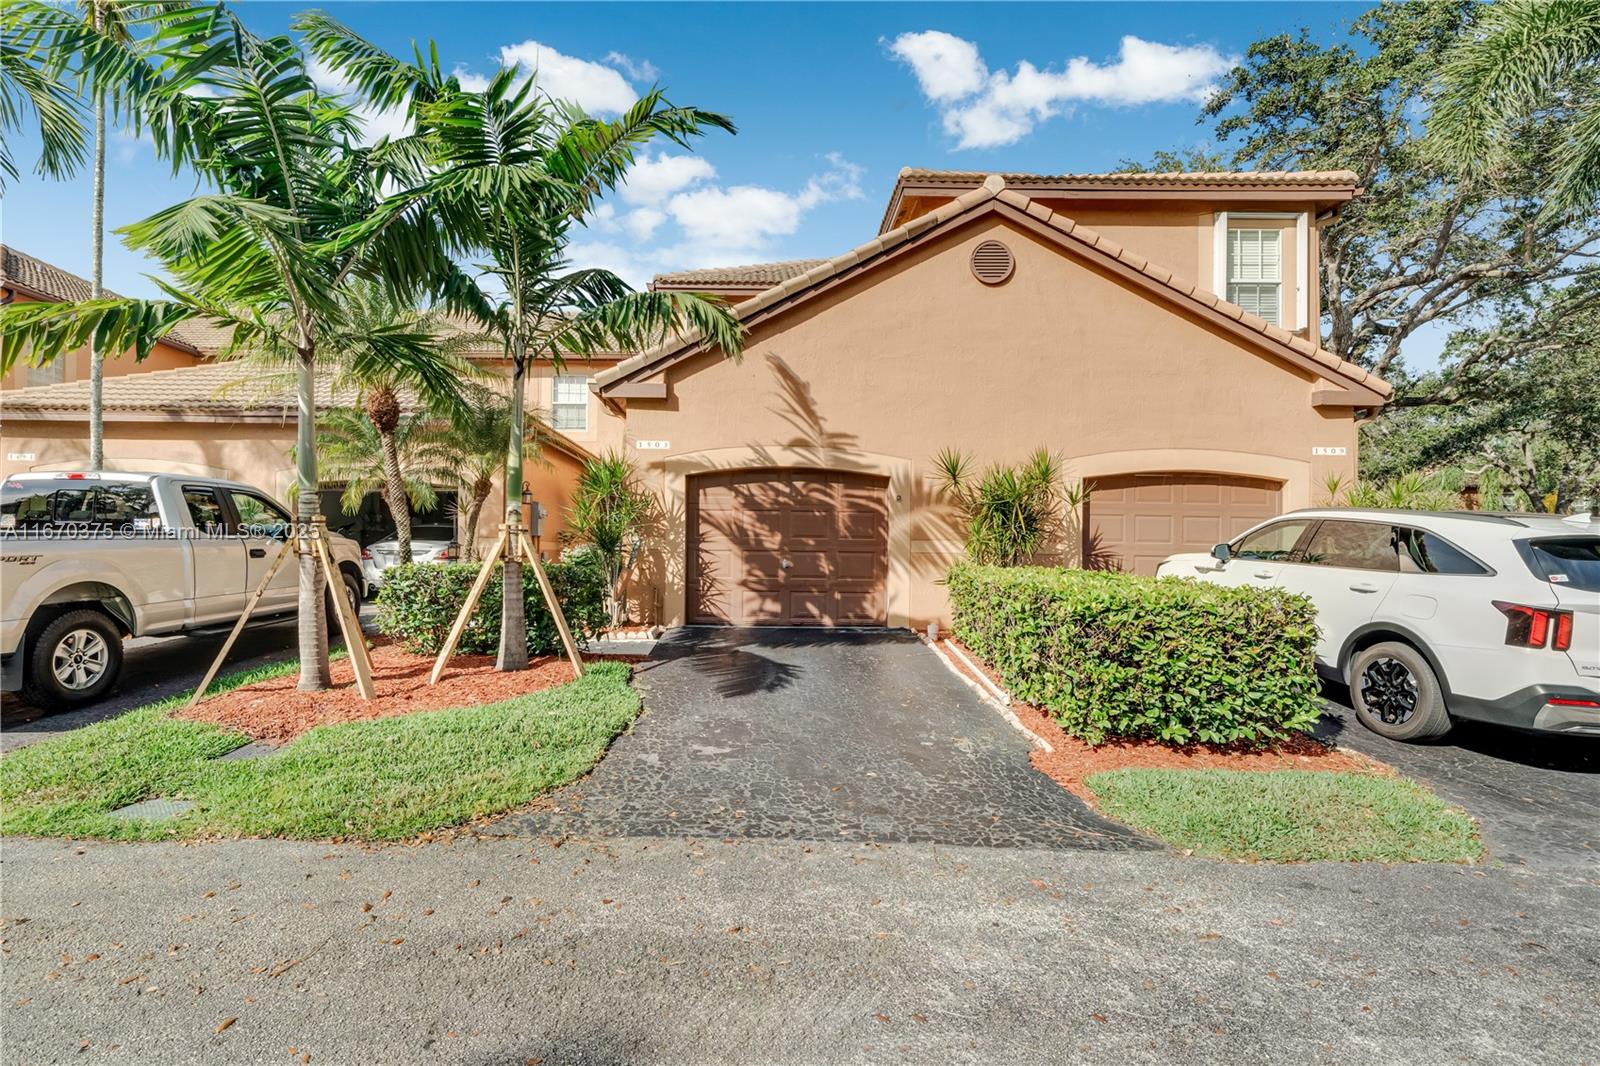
x,y
274,712
1073,760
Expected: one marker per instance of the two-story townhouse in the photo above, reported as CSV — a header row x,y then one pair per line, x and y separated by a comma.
x,y
1157,332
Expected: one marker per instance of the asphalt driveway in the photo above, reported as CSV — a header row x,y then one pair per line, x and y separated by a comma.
x,y
833,735
1536,797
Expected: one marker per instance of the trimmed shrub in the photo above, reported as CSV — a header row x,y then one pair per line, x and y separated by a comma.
x,y
418,602
1115,655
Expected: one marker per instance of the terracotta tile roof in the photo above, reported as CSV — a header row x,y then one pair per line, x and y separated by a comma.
x,y
1220,179
20,270
993,188
207,392
209,389
751,275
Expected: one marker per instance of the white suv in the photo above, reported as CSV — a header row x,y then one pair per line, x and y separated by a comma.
x,y
1429,615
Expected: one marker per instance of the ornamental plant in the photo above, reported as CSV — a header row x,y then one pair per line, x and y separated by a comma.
x,y
1118,655
419,601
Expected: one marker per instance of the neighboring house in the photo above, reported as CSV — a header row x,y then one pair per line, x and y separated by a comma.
x,y
179,411
24,278
995,314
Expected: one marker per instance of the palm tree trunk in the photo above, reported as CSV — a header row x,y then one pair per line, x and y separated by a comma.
x,y
97,418
480,493
513,622
394,494
312,631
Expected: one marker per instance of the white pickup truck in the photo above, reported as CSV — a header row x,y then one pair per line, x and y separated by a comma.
x,y
88,559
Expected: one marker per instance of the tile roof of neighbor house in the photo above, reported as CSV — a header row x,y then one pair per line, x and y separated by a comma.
x,y
1333,185
994,191
46,281
752,275
209,392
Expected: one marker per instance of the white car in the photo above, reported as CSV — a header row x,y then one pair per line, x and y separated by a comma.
x,y
429,544
1434,615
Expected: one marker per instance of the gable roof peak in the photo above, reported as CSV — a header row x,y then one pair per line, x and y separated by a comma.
x,y
995,182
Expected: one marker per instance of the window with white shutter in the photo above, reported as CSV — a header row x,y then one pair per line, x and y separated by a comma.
x,y
569,402
1255,271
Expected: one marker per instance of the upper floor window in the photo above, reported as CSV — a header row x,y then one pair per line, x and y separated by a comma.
x,y
569,402
1255,271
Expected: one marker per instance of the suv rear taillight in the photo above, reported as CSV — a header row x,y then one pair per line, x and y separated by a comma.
x,y
366,555
1531,627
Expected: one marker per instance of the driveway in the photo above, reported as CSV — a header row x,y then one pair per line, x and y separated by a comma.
x,y
1536,798
818,735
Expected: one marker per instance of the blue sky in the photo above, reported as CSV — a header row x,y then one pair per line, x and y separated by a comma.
x,y
831,101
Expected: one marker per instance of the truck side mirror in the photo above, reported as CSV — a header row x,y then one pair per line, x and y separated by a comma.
x,y
1221,553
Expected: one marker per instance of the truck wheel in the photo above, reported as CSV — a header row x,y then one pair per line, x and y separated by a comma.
x,y
73,659
1396,694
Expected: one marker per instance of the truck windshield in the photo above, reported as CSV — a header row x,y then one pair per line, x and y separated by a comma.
x,y
63,503
1573,562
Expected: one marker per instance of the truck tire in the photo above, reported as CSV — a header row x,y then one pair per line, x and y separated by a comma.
x,y
72,659
1396,694
352,591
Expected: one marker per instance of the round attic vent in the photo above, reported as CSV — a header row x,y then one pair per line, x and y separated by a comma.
x,y
992,262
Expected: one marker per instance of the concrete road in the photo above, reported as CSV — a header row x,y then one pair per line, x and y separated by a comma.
x,y
659,950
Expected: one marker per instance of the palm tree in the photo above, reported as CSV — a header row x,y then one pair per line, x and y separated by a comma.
x,y
611,513
475,453
271,253
371,310
353,449
40,46
505,175
1520,55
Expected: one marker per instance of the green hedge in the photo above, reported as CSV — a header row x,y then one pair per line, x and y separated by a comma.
x,y
1115,655
418,603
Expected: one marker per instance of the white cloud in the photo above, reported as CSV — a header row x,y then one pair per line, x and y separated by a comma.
x,y
947,67
678,219
594,87
652,179
472,83
983,108
643,70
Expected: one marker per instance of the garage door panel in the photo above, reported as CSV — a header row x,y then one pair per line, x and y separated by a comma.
x,y
832,529
1136,521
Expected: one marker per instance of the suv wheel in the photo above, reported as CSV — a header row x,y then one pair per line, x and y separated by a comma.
x,y
74,658
1396,693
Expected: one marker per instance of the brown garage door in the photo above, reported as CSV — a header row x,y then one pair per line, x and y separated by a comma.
x,y
788,547
1136,521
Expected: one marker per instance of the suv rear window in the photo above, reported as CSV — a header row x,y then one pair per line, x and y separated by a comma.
x,y
62,503
1573,562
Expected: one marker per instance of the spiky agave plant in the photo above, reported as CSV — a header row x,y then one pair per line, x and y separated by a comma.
x,y
1011,512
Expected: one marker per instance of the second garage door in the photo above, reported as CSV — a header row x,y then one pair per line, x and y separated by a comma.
x,y
788,547
1136,521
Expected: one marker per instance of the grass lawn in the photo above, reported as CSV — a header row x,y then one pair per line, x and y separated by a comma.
x,y
384,779
1289,815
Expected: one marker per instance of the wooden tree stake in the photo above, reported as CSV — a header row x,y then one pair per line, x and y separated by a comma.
x,y
460,626
249,608
555,607
316,543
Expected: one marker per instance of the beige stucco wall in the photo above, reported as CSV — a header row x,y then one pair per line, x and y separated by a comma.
x,y
256,453
878,375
